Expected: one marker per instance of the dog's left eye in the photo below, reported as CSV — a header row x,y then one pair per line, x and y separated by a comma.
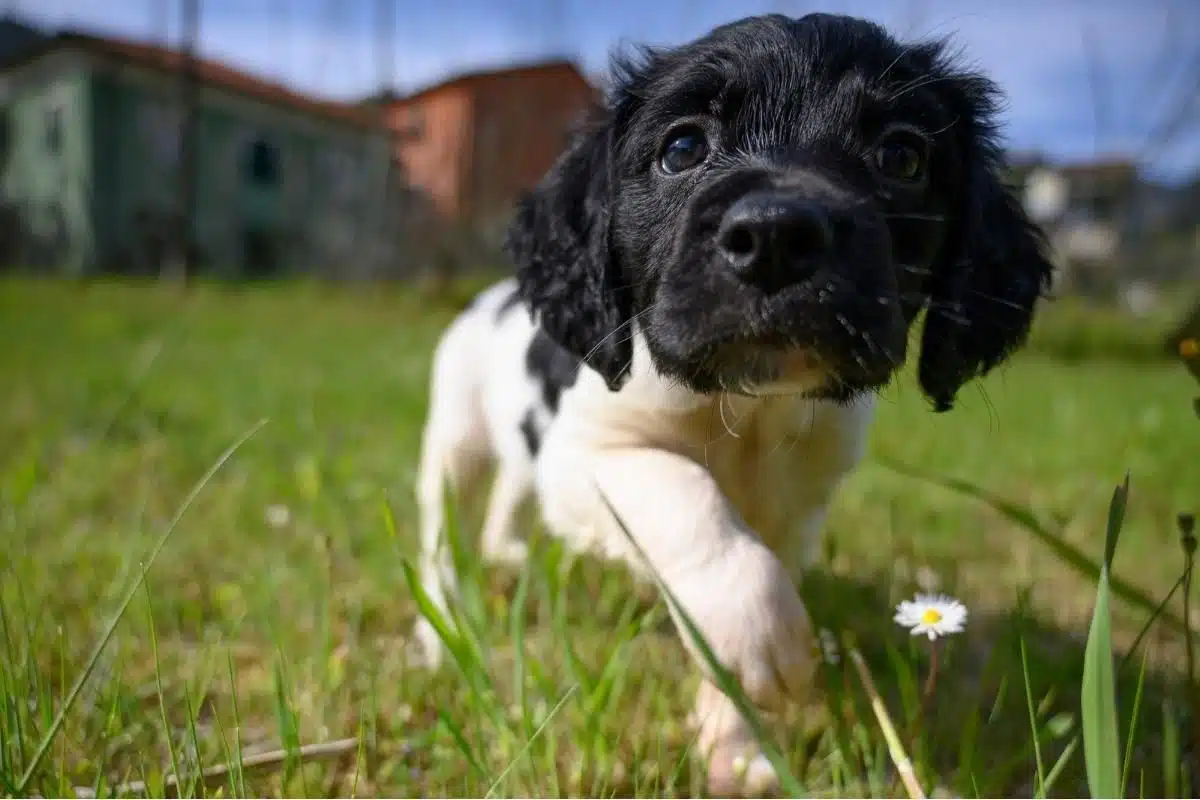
x,y
683,151
900,159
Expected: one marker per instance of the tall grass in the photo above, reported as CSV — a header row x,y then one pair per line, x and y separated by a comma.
x,y
562,678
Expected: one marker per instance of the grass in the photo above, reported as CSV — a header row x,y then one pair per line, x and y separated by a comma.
x,y
267,639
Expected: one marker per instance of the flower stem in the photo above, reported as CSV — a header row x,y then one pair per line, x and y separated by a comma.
x,y
931,678
926,691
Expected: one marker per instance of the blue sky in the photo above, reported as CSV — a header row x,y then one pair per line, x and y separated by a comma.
x,y
1033,48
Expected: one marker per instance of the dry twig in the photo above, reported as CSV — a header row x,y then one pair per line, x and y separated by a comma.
x,y
258,761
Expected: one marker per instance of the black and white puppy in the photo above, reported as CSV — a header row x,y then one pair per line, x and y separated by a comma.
x,y
712,283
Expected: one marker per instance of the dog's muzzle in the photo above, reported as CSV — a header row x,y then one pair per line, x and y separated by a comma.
x,y
773,239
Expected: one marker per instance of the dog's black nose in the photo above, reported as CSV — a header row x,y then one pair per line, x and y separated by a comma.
x,y
774,237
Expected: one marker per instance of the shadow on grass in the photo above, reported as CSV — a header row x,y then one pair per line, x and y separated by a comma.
x,y
584,624
974,738
976,735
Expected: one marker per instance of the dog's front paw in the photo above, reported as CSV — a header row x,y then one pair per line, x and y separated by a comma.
x,y
734,763
749,613
741,771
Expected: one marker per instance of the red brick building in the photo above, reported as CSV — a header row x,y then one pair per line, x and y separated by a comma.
x,y
475,142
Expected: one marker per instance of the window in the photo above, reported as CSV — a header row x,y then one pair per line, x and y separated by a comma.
x,y
262,163
54,129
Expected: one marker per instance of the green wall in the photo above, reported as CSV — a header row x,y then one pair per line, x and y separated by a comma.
x,y
48,179
115,178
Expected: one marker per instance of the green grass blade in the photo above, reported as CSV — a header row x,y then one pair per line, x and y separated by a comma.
x,y
194,777
1172,755
1040,788
464,746
1133,721
450,637
725,680
1059,765
226,755
1101,751
517,634
525,749
1116,518
239,772
1150,620
158,684
73,695
285,719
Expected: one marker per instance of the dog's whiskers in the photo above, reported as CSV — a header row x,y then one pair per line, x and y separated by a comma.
x,y
626,324
945,128
721,408
997,300
903,52
916,84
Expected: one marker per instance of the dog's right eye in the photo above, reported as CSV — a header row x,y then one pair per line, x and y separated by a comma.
x,y
684,149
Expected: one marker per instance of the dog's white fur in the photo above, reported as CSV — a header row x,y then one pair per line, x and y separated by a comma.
x,y
725,495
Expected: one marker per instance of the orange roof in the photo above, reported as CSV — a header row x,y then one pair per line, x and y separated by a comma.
x,y
208,72
476,77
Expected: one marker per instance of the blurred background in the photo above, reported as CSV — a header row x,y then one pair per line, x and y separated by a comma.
x,y
219,212
362,139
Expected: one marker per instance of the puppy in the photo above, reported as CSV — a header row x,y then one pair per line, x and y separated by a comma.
x,y
713,282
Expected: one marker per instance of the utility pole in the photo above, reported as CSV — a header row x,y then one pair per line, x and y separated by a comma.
x,y
282,13
385,54
160,22
182,266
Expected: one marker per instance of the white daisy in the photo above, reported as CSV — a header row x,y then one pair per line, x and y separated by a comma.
x,y
933,615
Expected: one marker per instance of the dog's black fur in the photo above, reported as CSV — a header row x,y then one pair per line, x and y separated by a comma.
x,y
794,125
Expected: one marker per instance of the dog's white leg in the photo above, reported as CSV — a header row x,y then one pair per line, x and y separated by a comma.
x,y
734,589
455,465
513,484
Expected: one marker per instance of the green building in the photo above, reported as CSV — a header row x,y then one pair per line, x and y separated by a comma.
x,y
90,164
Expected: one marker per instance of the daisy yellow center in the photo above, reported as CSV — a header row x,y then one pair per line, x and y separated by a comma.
x,y
1189,348
931,616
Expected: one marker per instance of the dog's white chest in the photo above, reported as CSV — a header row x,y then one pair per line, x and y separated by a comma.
x,y
777,460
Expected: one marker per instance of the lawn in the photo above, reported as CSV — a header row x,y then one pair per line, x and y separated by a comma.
x,y
276,614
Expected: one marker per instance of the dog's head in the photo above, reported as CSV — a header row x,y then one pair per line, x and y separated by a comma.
x,y
773,205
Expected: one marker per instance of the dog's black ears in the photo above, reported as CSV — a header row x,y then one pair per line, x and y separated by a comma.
x,y
993,266
560,240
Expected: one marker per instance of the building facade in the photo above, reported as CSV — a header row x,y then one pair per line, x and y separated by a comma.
x,y
476,142
91,152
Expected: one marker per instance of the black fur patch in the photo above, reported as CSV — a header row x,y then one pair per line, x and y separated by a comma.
x,y
552,366
529,430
